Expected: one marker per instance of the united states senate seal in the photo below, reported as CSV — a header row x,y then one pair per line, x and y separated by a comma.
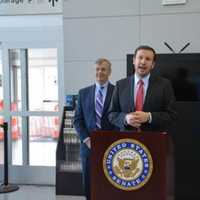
x,y
127,164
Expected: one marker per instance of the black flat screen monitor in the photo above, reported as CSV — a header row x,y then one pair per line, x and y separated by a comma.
x,y
183,70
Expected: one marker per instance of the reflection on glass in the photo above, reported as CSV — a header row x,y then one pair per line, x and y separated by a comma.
x,y
1,108
1,142
15,74
16,140
1,82
42,80
42,144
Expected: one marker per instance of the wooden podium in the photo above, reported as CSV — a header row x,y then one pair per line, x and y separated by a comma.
x,y
159,185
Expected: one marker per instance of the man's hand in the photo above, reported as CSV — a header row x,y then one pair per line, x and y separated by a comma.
x,y
137,118
142,117
132,120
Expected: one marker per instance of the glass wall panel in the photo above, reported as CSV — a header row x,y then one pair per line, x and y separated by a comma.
x,y
16,140
1,142
15,75
42,144
1,82
42,80
1,108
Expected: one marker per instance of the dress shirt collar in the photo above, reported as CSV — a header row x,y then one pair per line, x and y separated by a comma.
x,y
104,91
144,79
98,86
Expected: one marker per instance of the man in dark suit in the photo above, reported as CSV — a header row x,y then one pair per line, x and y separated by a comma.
x,y
91,114
143,101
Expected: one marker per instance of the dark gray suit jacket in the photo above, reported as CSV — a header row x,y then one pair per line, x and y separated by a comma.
x,y
159,100
85,117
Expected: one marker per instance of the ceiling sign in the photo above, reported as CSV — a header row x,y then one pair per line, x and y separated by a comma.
x,y
30,7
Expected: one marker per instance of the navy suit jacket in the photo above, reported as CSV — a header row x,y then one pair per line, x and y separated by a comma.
x,y
85,117
159,100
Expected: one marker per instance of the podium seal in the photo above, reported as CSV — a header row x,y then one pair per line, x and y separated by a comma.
x,y
127,164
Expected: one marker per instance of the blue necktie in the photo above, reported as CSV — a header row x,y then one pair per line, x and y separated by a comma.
x,y
99,107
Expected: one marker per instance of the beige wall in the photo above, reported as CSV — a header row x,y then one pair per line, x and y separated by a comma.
x,y
114,28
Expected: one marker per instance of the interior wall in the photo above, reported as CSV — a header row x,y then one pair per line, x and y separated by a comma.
x,y
114,28
34,28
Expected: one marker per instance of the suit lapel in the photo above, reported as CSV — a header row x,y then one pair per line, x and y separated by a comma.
x,y
108,98
130,92
149,92
92,101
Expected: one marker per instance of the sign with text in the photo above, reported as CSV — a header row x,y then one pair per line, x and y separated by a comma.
x,y
29,7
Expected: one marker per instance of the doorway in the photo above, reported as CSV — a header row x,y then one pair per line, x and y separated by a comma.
x,y
29,102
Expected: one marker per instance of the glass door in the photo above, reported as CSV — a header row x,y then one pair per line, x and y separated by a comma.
x,y
42,105
32,113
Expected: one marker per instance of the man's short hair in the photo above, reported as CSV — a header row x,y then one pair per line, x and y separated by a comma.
x,y
99,61
146,47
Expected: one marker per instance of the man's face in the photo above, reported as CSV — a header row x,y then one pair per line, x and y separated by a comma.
x,y
143,62
103,72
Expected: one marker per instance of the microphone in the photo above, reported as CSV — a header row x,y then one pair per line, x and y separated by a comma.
x,y
184,47
169,47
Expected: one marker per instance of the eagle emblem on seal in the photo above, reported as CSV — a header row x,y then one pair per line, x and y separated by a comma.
x,y
127,168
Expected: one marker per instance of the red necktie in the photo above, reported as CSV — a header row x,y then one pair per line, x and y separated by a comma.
x,y
139,96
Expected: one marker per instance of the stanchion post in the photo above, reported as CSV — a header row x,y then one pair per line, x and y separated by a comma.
x,y
5,127
6,187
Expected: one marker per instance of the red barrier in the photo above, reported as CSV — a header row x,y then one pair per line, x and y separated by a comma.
x,y
15,130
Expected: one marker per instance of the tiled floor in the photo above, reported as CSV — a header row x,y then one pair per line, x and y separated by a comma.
x,y
36,193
